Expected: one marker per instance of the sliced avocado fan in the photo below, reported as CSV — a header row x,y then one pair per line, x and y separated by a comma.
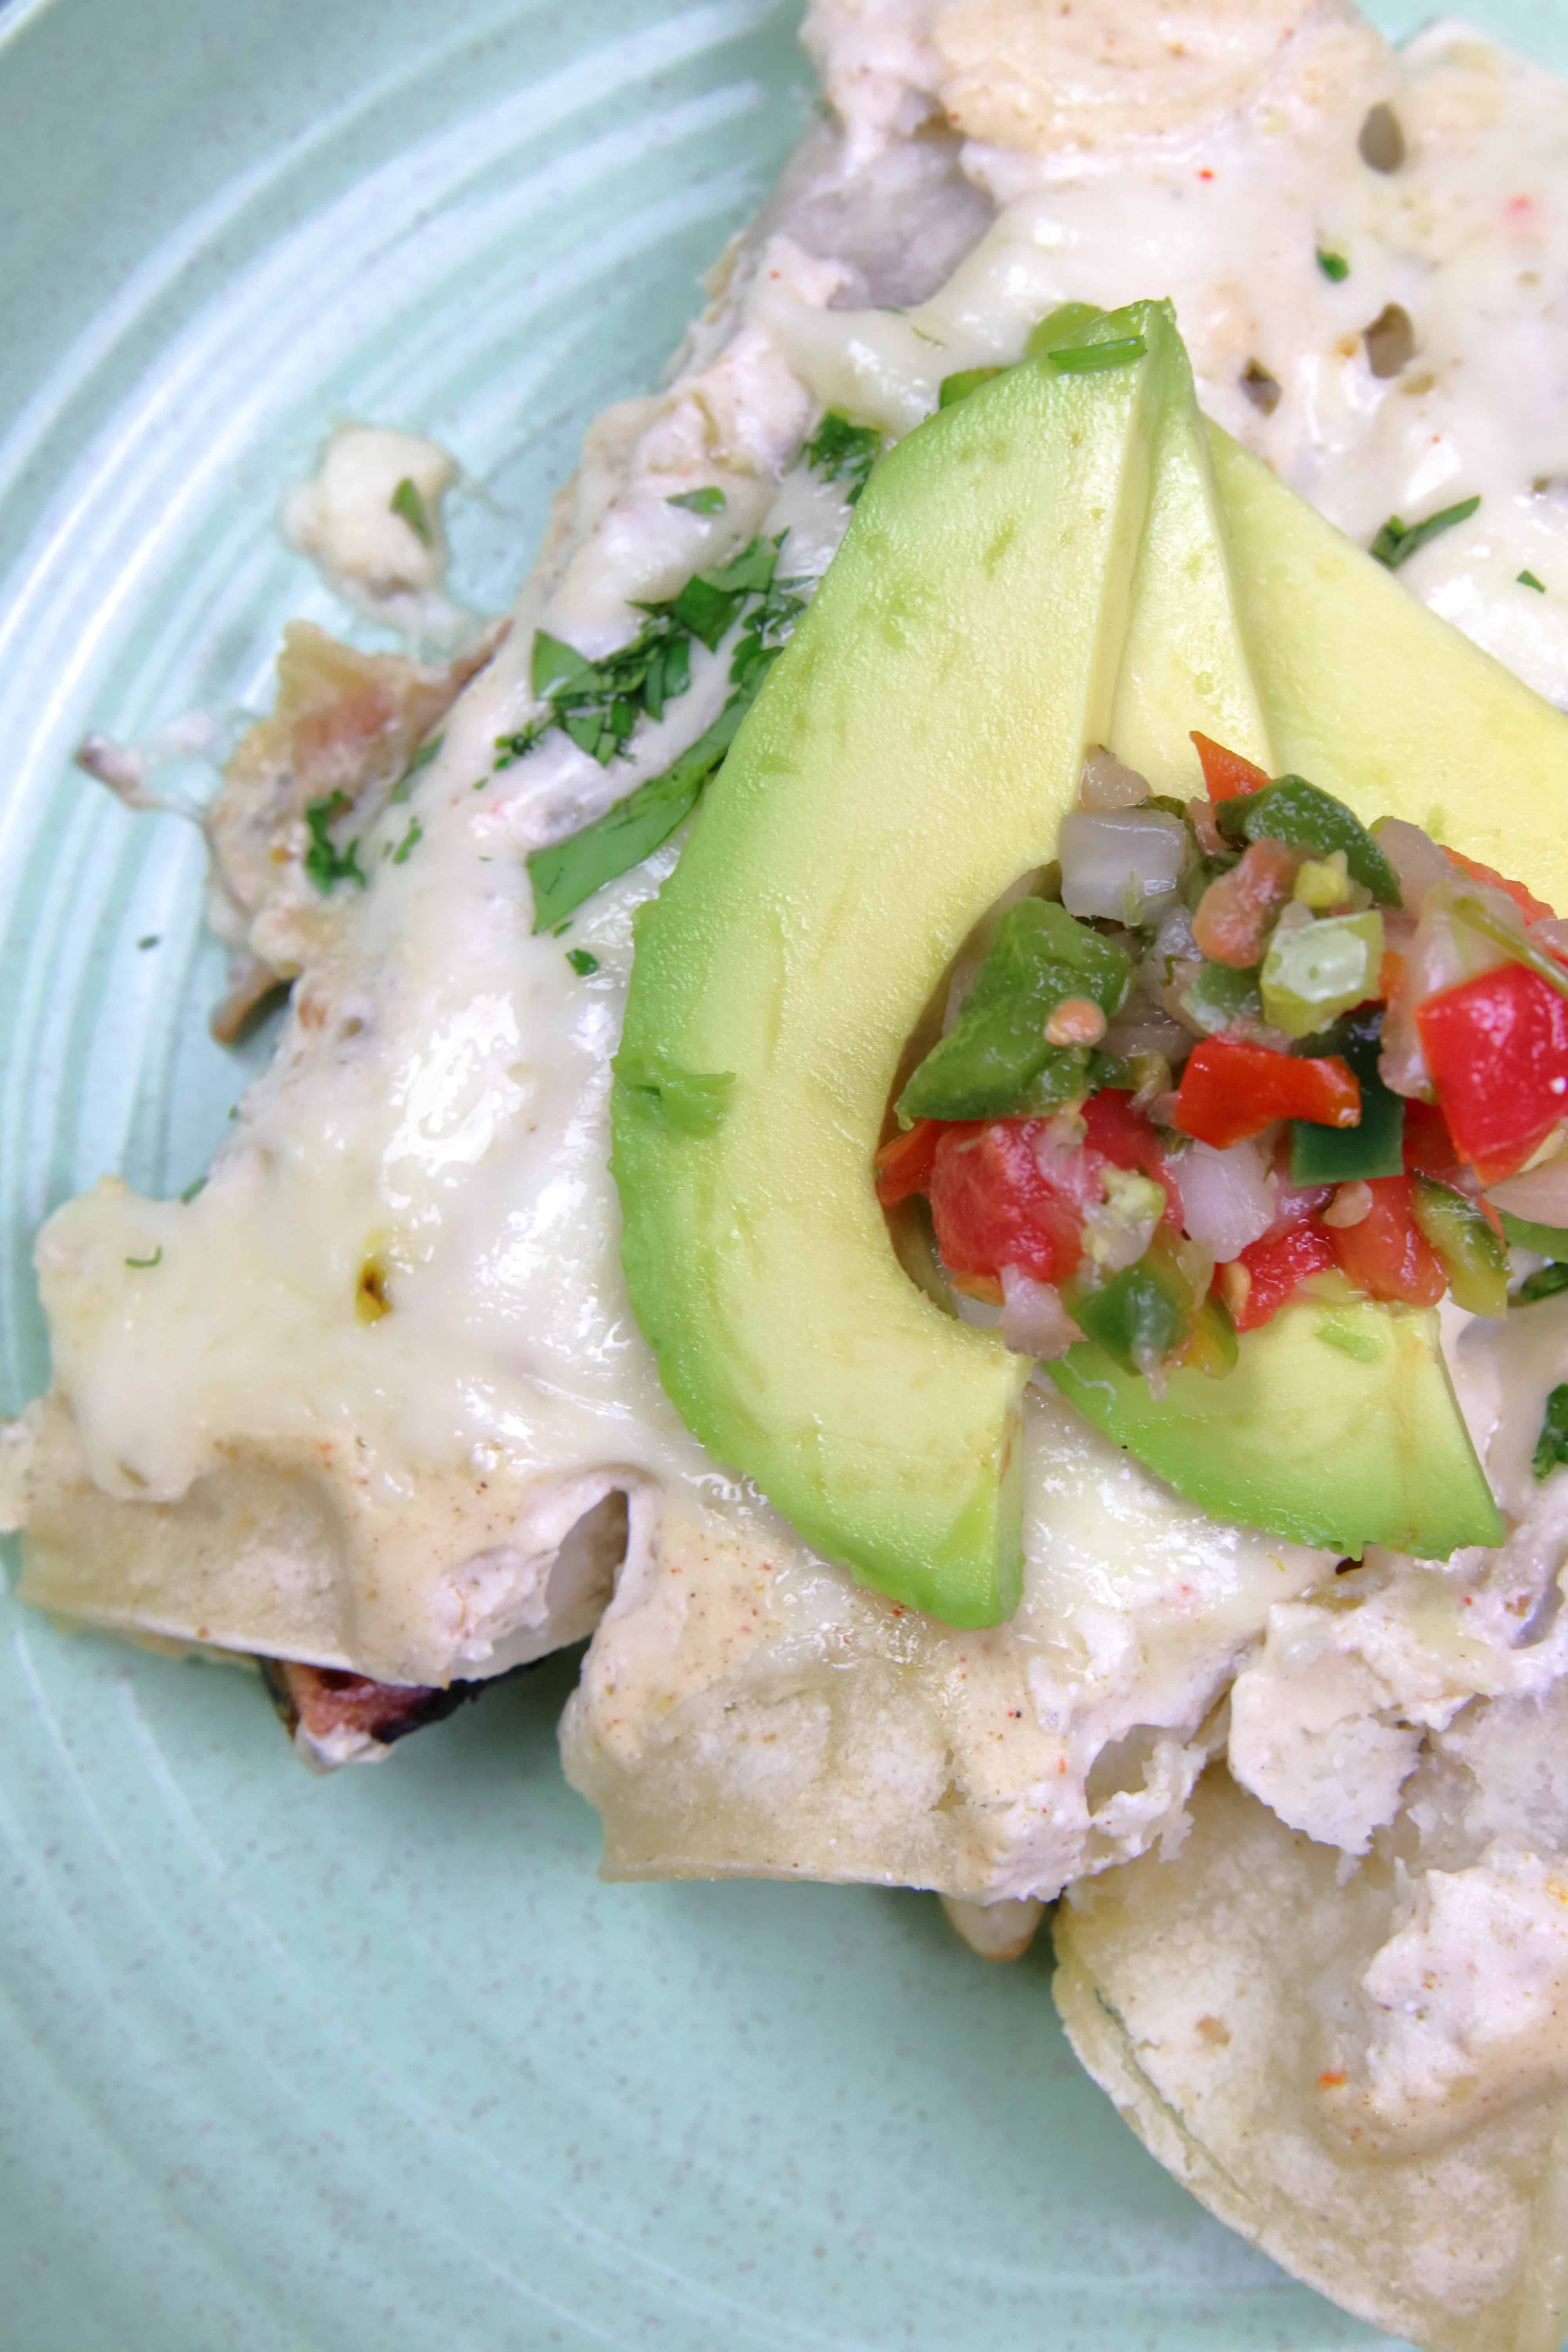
x,y
1042,566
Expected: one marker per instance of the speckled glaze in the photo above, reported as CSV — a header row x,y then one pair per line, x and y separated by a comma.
x,y
301,2067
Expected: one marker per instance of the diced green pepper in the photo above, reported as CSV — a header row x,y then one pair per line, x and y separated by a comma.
x,y
1376,1147
1320,969
1139,1317
995,1060
1216,996
1474,1259
1304,818
1552,1240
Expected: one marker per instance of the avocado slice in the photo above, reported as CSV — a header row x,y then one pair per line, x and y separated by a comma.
x,y
913,752
1369,693
1338,1427
791,955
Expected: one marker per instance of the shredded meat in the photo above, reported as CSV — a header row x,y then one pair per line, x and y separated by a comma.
x,y
322,1701
344,722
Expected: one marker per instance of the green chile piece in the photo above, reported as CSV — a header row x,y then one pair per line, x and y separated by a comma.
x,y
1216,996
1312,975
994,1060
1474,1259
1138,1316
1300,814
1339,1155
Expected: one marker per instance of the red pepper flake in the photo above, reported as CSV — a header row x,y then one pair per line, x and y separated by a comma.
x,y
1207,174
1331,2080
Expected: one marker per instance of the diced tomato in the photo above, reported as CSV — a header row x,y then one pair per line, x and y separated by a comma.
x,y
1533,909
1127,1139
1230,1090
904,1162
992,1206
1496,1046
1231,922
1275,1268
1227,775
1385,1255
1428,1146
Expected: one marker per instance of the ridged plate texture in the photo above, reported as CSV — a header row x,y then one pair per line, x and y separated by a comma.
x,y
374,2064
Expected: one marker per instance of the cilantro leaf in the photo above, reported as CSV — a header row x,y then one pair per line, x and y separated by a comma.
x,y
581,962
704,501
1397,541
1334,266
407,503
410,843
422,759
1551,1446
1529,579
692,1102
325,863
156,1258
842,452
569,871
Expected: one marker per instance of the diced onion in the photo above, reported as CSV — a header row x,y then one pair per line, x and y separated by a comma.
x,y
1107,782
1442,951
1034,1320
1539,1195
1124,868
1414,858
1228,1198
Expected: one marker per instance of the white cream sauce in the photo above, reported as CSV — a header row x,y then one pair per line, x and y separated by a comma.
x,y
439,1103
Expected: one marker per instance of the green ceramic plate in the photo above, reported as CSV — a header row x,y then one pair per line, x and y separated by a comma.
x,y
375,2061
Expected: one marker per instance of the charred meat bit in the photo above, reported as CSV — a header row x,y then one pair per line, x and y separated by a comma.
x,y
323,1701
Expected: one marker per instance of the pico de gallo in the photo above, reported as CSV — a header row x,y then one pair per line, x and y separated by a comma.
x,y
1230,1047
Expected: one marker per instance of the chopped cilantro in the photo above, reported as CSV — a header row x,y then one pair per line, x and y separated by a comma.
x,y
1397,541
407,502
151,940
567,872
1529,579
422,759
842,452
692,1102
1551,1446
1544,1283
157,1259
325,863
1088,359
410,843
597,703
191,1191
704,501
1334,266
581,962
